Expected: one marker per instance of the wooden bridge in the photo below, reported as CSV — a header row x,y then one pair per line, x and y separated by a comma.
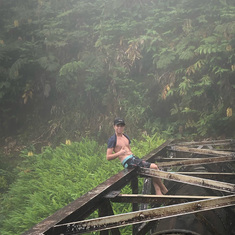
x,y
171,155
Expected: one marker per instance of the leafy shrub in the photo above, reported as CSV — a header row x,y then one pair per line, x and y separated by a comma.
x,y
50,180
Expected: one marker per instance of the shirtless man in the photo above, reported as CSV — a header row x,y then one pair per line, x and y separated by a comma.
x,y
119,147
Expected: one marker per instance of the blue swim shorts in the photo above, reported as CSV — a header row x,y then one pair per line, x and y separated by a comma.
x,y
132,161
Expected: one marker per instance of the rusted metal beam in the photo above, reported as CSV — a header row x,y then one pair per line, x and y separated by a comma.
x,y
197,161
202,151
120,220
206,183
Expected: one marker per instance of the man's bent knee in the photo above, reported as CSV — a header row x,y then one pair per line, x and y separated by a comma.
x,y
154,166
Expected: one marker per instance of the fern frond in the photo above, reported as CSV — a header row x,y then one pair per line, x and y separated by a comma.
x,y
49,63
16,66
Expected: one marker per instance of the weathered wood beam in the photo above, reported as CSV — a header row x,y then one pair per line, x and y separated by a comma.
x,y
206,174
206,183
121,220
162,159
197,161
143,198
106,209
201,151
209,142
82,207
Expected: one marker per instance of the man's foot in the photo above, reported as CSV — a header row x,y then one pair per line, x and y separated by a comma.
x,y
159,193
165,191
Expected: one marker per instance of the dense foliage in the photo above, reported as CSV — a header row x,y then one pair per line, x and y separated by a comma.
x,y
71,66
48,181
67,68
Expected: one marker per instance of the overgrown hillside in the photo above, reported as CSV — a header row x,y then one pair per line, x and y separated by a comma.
x,y
69,67
50,180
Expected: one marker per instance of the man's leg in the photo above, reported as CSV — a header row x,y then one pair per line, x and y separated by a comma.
x,y
160,188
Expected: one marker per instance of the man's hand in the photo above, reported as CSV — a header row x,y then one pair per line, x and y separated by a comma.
x,y
122,151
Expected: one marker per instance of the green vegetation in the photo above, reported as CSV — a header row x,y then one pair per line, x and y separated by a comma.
x,y
67,68
71,67
50,180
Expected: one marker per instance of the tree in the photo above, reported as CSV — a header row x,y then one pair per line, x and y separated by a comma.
x,y
73,66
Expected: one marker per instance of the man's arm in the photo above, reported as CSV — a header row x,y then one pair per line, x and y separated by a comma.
x,y
110,155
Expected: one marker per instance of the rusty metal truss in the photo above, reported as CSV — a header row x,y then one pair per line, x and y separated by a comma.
x,y
171,158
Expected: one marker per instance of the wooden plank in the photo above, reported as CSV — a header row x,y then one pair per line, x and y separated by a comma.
x,y
143,198
106,209
162,159
201,151
164,196
207,173
209,142
206,183
197,161
109,222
